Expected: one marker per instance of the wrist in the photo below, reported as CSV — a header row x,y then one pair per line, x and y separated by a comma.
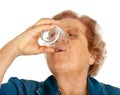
x,y
11,50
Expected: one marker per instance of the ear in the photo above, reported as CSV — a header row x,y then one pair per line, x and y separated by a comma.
x,y
91,59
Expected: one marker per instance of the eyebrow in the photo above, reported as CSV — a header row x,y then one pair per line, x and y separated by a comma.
x,y
69,28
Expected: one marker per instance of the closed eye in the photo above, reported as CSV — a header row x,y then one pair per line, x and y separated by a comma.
x,y
72,32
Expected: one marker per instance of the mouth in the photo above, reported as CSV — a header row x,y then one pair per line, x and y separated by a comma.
x,y
60,50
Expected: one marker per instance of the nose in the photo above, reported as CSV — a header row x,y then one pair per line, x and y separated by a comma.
x,y
64,41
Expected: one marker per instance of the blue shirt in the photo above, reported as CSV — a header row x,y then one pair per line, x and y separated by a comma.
x,y
17,86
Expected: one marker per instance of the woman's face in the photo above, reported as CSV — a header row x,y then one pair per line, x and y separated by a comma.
x,y
73,54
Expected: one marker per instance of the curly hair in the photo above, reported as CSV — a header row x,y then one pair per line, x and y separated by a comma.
x,y
96,45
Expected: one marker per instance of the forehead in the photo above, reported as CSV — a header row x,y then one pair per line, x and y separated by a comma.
x,y
72,23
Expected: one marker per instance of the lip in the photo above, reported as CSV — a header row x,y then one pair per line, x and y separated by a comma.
x,y
58,50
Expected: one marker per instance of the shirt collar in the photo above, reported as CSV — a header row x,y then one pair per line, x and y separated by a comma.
x,y
50,87
95,87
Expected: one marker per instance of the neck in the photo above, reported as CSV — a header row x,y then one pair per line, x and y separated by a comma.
x,y
72,84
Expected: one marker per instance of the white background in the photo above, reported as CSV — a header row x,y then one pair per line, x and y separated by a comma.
x,y
17,15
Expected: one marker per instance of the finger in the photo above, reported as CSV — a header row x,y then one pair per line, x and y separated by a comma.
x,y
45,21
38,29
45,49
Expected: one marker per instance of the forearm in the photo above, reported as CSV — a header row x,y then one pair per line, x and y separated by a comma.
x,y
25,44
7,54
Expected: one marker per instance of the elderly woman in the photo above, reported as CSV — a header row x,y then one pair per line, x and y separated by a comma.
x,y
73,62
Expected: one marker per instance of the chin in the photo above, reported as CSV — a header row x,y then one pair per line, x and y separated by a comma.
x,y
59,66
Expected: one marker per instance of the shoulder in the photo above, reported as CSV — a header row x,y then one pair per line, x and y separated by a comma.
x,y
98,88
111,90
16,86
23,82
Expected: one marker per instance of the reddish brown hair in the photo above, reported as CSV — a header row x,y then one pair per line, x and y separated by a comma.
x,y
95,43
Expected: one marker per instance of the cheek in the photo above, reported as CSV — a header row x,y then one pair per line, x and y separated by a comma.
x,y
80,53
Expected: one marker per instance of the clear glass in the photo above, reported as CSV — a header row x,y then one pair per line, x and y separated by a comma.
x,y
50,37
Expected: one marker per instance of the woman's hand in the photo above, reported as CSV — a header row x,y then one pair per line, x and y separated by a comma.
x,y
27,42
